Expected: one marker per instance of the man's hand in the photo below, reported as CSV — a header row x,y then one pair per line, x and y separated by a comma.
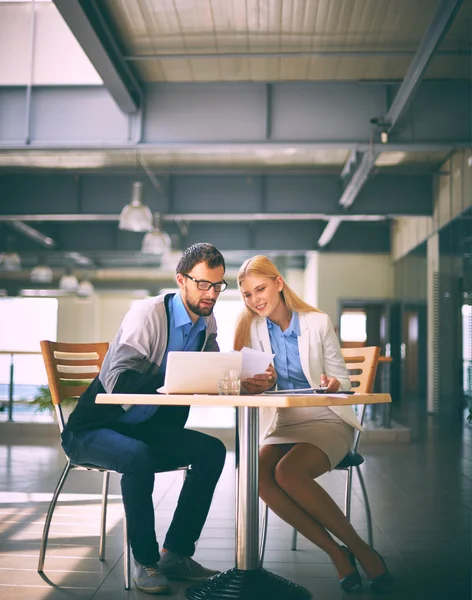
x,y
331,383
259,383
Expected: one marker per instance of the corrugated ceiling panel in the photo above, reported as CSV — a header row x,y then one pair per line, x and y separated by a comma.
x,y
298,69
460,31
151,27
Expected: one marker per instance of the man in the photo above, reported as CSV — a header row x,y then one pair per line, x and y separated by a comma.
x,y
143,439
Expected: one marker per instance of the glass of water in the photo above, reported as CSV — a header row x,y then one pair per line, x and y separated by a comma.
x,y
229,383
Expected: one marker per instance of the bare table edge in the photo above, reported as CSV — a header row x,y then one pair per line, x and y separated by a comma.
x,y
260,401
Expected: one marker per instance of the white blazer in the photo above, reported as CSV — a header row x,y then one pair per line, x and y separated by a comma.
x,y
319,353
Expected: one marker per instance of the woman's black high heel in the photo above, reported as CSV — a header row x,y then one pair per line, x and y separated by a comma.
x,y
383,582
352,580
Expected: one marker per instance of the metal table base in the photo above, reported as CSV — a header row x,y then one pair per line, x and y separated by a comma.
x,y
247,581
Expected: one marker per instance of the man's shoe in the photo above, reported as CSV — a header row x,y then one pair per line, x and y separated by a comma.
x,y
175,566
149,579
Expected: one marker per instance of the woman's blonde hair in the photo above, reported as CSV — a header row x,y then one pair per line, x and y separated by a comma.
x,y
261,266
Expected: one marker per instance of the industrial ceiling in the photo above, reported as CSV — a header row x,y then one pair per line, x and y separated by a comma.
x,y
266,126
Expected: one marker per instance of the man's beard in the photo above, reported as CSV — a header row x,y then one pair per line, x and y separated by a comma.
x,y
199,310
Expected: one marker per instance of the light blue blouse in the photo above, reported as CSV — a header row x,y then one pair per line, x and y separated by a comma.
x,y
287,363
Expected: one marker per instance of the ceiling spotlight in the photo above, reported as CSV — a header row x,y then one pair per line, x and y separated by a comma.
x,y
10,261
68,282
157,241
136,216
383,126
42,274
85,289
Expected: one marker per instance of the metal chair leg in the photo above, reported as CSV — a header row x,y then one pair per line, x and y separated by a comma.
x,y
348,494
126,555
368,514
47,523
265,518
294,539
103,522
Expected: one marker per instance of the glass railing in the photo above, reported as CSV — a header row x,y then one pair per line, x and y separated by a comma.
x,y
22,374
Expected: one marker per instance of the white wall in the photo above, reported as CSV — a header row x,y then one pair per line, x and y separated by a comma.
x,y
352,276
94,319
77,320
295,278
111,310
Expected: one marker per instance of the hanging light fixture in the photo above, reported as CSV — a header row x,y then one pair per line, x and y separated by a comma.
x,y
41,273
85,289
136,216
157,241
10,261
68,282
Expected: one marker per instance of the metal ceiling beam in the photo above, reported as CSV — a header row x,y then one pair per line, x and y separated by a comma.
x,y
79,259
32,233
71,117
228,146
439,26
329,231
190,217
288,54
89,26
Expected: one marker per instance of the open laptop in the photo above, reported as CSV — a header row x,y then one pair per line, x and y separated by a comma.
x,y
197,372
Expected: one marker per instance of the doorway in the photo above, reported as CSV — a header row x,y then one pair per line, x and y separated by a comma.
x,y
413,351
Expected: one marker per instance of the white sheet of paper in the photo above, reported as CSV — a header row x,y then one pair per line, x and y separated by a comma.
x,y
254,362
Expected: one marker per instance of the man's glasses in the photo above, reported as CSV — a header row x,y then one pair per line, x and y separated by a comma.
x,y
204,285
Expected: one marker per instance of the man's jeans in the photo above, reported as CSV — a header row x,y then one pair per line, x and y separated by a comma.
x,y
140,450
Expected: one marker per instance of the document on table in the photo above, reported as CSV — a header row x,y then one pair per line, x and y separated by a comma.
x,y
254,362
306,392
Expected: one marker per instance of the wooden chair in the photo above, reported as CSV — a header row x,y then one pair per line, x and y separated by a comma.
x,y
362,367
70,369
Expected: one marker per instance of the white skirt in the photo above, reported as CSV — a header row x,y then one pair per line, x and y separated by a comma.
x,y
318,426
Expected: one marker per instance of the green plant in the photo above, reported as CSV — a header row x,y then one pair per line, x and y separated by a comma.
x,y
43,401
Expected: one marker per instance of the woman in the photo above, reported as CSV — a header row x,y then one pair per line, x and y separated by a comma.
x,y
300,444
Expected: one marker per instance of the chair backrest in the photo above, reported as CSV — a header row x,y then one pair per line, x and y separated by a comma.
x,y
70,369
361,364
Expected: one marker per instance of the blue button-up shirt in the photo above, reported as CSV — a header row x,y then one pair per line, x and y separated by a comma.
x,y
183,336
287,363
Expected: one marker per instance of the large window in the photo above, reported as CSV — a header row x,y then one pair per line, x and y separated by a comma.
x,y
23,323
353,326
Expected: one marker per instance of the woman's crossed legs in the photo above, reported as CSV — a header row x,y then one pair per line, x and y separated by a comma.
x,y
286,484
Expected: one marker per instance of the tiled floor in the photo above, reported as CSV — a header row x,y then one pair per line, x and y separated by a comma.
x,y
421,496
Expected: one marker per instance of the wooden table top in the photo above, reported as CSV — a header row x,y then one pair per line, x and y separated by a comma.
x,y
260,400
